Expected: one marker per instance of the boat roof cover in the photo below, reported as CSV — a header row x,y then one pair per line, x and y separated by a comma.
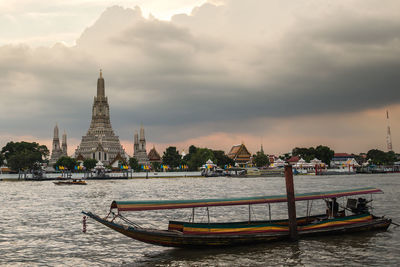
x,y
179,204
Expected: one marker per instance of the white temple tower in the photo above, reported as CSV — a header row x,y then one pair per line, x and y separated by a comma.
x,y
100,142
64,144
56,151
139,148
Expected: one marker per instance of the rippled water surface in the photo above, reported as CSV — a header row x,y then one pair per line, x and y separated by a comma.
x,y
41,224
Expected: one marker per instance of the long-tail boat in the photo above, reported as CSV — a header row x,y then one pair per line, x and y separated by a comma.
x,y
355,217
71,182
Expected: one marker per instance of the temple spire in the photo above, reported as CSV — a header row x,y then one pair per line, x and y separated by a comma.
x,y
100,85
64,143
56,151
140,152
141,132
100,141
55,134
135,144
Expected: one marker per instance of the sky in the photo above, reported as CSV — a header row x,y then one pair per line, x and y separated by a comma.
x,y
283,74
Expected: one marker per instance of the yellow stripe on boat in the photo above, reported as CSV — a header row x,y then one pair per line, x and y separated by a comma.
x,y
335,223
203,230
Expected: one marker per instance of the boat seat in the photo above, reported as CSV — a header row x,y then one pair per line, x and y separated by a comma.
x,y
351,203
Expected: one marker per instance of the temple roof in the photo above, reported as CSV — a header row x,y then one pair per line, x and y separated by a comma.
x,y
118,157
239,153
153,155
294,159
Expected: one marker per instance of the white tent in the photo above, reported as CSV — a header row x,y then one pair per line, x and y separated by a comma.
x,y
316,161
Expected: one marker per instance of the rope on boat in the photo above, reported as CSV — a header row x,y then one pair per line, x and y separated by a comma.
x,y
397,225
128,221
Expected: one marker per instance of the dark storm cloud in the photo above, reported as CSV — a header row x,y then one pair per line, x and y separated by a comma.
x,y
193,77
357,30
312,79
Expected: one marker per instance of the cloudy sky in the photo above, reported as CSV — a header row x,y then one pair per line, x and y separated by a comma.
x,y
209,73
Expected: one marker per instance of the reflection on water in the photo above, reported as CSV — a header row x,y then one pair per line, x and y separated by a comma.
x,y
41,224
333,250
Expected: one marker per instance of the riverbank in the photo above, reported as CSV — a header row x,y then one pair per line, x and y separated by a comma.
x,y
116,175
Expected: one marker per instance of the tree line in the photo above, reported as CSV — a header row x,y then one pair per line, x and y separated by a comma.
x,y
30,156
193,160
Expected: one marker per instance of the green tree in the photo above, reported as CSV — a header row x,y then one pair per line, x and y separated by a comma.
x,y
380,157
200,157
186,158
377,156
324,153
306,153
221,159
133,163
192,149
156,166
89,163
171,157
24,160
391,157
24,155
285,156
260,159
67,162
10,148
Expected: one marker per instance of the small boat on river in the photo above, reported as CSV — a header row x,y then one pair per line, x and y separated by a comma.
x,y
71,182
354,217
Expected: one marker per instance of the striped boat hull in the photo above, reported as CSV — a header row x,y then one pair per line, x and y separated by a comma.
x,y
228,234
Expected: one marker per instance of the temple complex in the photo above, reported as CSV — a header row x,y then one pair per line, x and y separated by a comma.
x,y
58,151
100,142
240,155
139,148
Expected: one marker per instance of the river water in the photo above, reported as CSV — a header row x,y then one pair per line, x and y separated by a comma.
x,y
41,223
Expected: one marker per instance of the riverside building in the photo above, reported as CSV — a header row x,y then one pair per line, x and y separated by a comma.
x,y
100,142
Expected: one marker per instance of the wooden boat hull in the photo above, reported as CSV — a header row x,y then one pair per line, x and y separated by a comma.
x,y
238,236
106,177
70,183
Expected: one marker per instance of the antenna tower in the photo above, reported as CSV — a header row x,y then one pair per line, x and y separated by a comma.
x,y
388,137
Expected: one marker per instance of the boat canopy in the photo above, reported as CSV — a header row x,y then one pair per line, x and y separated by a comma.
x,y
179,204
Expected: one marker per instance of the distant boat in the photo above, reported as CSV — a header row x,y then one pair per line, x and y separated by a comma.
x,y
235,172
256,172
209,169
71,182
210,234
